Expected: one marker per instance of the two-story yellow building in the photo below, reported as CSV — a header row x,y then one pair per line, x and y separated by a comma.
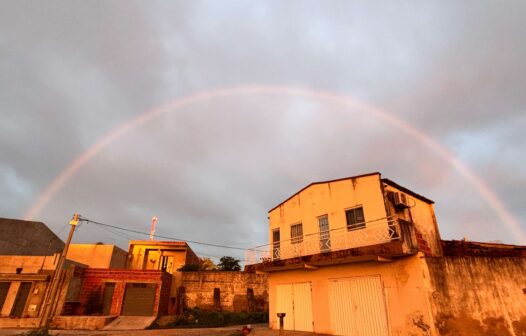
x,y
344,257
363,256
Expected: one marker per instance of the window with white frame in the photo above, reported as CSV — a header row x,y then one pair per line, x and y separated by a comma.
x,y
296,233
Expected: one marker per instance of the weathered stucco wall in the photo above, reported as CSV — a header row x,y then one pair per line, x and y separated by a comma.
x,y
472,296
422,215
234,288
404,293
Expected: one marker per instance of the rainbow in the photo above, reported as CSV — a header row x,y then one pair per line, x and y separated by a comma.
x,y
341,100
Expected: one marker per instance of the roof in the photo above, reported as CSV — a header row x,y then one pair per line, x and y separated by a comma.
x,y
461,248
156,242
30,238
323,182
407,191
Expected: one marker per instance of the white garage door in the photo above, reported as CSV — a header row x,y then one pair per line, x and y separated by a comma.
x,y
295,300
358,307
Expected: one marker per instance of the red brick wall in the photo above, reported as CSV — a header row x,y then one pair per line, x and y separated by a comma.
x,y
422,243
93,280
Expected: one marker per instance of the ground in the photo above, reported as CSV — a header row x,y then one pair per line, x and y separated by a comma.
x,y
258,330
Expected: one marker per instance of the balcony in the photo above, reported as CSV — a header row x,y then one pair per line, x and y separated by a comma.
x,y
380,231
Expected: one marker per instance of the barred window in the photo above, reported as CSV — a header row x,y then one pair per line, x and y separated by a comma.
x,y
355,218
296,233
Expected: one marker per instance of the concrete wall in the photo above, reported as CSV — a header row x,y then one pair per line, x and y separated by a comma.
x,y
22,323
36,270
405,293
473,296
20,237
33,304
199,290
98,255
27,264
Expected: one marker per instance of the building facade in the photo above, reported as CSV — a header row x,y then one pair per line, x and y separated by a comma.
x,y
363,256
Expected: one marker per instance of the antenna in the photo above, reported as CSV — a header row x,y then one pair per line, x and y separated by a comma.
x,y
152,230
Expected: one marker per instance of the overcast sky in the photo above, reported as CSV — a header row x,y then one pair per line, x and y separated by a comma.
x,y
71,71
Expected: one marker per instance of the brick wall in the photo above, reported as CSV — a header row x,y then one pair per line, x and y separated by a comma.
x,y
422,243
238,291
93,280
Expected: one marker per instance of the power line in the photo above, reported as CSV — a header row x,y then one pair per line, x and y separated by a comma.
x,y
165,237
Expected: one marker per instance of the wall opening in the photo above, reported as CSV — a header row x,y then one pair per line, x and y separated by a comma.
x,y
217,299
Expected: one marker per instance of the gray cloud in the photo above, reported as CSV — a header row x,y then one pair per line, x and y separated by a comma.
x,y
72,71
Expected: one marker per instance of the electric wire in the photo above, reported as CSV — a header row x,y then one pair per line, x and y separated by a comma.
x,y
166,237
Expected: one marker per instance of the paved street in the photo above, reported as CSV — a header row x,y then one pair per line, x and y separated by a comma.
x,y
259,330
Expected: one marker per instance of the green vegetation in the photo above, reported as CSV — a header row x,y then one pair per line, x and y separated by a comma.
x,y
196,318
189,268
228,264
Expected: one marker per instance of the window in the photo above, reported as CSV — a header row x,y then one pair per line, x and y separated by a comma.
x,y
276,243
355,218
323,223
296,233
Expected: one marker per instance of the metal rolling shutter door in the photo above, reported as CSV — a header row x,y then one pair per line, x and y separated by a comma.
x,y
139,299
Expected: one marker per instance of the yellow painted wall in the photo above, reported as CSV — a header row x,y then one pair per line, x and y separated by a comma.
x,y
406,295
148,256
332,199
97,255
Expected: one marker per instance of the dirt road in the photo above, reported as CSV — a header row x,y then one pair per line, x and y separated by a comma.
x,y
258,330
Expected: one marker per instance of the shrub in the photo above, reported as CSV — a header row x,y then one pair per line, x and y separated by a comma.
x,y
189,268
197,318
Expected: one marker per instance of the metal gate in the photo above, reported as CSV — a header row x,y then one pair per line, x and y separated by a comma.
x,y
295,300
358,307
139,299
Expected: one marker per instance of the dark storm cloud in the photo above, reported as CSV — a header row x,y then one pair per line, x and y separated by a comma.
x,y
72,71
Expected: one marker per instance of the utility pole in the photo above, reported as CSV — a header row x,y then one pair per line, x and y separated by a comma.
x,y
51,299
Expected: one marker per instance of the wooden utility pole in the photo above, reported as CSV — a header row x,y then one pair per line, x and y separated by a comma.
x,y
52,297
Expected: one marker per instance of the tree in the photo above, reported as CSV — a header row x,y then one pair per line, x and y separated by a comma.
x,y
208,265
228,264
189,268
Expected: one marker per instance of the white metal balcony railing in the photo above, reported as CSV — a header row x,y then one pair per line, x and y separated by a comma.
x,y
373,232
